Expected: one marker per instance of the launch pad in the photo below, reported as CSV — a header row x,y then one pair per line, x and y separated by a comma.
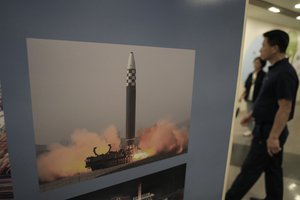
x,y
80,177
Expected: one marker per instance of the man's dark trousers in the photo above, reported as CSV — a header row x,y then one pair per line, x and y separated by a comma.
x,y
257,162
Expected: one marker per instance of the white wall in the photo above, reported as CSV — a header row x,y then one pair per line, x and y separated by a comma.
x,y
252,44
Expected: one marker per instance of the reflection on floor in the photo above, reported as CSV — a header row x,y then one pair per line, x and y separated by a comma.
x,y
291,186
291,163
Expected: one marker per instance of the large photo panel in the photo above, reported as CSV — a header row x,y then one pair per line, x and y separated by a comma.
x,y
176,24
100,108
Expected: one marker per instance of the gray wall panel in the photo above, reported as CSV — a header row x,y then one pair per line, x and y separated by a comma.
x,y
213,28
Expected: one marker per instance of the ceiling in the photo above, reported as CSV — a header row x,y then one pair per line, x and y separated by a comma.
x,y
258,9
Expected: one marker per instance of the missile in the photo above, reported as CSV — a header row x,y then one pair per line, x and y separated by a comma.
x,y
130,100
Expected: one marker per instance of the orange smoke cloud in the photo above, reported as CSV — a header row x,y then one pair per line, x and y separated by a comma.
x,y
163,137
62,161
69,160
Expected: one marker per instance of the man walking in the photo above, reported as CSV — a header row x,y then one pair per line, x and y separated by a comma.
x,y
273,108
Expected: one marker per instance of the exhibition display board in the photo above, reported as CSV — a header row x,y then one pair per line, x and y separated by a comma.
x,y
104,94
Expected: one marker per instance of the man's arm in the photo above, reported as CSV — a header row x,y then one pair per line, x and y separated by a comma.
x,y
281,118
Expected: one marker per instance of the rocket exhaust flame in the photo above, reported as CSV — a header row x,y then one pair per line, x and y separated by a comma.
x,y
139,155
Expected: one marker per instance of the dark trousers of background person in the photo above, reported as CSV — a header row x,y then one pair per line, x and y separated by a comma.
x,y
257,162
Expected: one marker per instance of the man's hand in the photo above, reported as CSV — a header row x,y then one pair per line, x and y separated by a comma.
x,y
281,118
246,120
273,146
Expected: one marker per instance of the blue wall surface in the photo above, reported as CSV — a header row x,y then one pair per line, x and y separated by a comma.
x,y
213,28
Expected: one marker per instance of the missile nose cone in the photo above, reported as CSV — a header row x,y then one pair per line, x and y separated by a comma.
x,y
131,62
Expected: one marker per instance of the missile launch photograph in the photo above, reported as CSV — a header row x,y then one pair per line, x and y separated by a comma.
x,y
166,184
100,108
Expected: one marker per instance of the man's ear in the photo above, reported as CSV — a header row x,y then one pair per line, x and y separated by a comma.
x,y
275,48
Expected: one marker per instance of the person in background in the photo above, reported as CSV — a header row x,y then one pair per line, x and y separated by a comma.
x,y
253,84
273,108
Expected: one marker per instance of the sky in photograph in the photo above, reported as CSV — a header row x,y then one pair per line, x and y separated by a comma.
x,y
77,85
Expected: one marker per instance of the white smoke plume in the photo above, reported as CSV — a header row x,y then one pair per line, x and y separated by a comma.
x,y
62,161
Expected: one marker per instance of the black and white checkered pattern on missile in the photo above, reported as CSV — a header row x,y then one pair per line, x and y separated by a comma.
x,y
131,77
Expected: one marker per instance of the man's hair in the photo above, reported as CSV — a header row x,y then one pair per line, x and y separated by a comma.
x,y
262,62
279,38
